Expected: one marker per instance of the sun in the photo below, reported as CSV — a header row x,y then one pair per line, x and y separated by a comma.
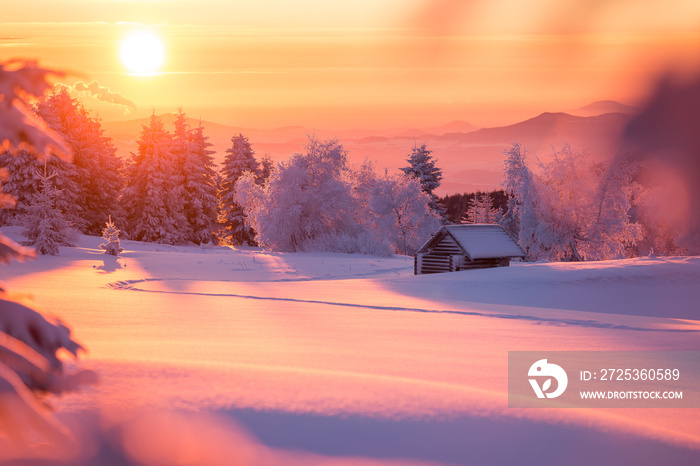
x,y
142,53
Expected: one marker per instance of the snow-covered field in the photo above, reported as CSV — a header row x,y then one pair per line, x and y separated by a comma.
x,y
221,356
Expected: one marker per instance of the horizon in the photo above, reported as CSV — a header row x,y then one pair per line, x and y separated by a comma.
x,y
373,65
582,111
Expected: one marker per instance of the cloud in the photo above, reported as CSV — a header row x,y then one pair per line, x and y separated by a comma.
x,y
99,92
445,17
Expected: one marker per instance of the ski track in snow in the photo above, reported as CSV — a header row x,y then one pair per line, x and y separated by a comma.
x,y
128,285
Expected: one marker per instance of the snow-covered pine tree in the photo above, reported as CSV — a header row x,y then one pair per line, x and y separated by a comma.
x,y
110,234
152,194
23,182
421,165
239,159
97,174
198,178
481,210
264,170
519,185
19,182
201,183
46,228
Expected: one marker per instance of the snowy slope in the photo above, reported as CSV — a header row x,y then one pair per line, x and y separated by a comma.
x,y
332,358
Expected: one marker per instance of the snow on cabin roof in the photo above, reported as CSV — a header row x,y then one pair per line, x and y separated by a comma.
x,y
482,241
485,241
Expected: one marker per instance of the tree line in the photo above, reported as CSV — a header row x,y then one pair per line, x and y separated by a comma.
x,y
170,191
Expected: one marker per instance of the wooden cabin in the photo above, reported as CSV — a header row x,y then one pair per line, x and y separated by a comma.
x,y
462,247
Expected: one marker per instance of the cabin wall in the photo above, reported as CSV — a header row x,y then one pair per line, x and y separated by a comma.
x,y
433,263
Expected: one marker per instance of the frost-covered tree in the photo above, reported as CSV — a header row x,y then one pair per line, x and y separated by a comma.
x,y
305,198
239,159
95,181
197,177
153,193
402,212
314,201
571,209
421,165
45,226
110,234
612,232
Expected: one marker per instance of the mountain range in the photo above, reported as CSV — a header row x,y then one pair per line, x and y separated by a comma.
x,y
471,158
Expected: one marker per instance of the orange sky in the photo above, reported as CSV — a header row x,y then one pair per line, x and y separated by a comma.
x,y
362,63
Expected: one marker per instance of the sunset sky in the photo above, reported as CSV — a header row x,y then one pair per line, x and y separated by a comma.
x,y
360,63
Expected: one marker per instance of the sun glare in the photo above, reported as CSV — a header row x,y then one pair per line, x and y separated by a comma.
x,y
142,53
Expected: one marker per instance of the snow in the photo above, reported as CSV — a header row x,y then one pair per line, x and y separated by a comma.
x,y
321,358
485,241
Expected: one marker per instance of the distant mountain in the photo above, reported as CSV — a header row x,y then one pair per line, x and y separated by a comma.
x,y
549,127
604,106
475,159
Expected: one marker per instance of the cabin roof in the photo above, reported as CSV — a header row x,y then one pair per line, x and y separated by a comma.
x,y
478,241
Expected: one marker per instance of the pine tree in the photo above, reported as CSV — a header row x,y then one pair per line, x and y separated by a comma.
x,y
179,152
200,184
198,178
481,210
45,227
421,165
265,170
23,182
239,159
19,182
154,212
110,234
94,180
518,183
